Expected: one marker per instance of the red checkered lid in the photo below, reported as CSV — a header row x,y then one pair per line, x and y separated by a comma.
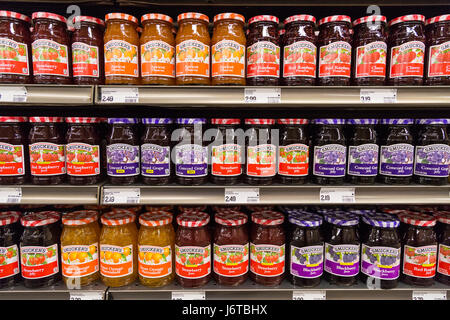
x,y
259,121
191,208
155,219
79,218
193,15
158,208
268,218
300,17
38,219
117,218
264,18
336,18
259,208
121,16
396,211
82,120
445,17
193,219
226,208
13,119
417,219
156,16
231,218
88,19
229,16
8,217
442,216
46,119
15,15
410,17
225,121
293,121
372,18
48,15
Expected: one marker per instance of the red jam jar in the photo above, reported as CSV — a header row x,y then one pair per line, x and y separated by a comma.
x,y
10,232
443,230
438,57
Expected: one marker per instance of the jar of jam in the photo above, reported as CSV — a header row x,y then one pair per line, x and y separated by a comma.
x,y
15,48
87,51
443,268
397,152
381,251
419,249
155,151
330,152
50,45
300,51
335,51
83,151
342,249
121,42
47,150
293,151
192,49
191,153
305,249
228,50
122,151
10,232
157,50
437,58
193,250
267,248
13,150
39,249
362,151
369,51
261,152
226,152
406,43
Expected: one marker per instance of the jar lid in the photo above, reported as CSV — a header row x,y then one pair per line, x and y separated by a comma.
x,y
395,211
397,121
259,208
157,120
191,120
445,17
193,15
362,121
81,217
122,120
48,15
417,219
259,121
335,19
121,16
155,219
38,219
231,218
372,18
268,218
341,219
225,121
229,15
156,16
379,219
442,216
15,15
360,212
88,19
46,119
117,218
263,18
299,17
329,121
292,121
226,208
183,209
13,119
409,17
433,121
9,217
82,120
193,219
305,219
158,208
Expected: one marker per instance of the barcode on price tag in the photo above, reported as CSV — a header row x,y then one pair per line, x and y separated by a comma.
x,y
337,195
429,295
378,95
120,95
241,195
262,95
188,295
309,295
10,195
87,295
121,196
13,94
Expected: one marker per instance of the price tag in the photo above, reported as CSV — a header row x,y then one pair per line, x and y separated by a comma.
x,y
121,196
429,295
10,195
188,295
309,295
241,195
120,95
337,195
378,95
87,295
262,95
13,94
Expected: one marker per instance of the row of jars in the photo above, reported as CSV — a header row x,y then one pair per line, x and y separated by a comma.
x,y
414,49
360,244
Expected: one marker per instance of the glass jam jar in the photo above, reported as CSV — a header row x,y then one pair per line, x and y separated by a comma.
x,y
157,50
406,43
369,51
15,47
50,45
437,58
397,152
228,50
226,152
122,151
263,51
330,152
193,49
10,232
47,150
443,268
83,151
87,51
13,151
300,51
363,151
261,152
193,250
335,51
293,151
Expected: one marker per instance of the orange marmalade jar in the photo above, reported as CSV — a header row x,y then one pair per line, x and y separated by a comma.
x,y
192,49
157,50
121,41
228,50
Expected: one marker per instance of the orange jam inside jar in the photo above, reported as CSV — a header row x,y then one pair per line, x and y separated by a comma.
x,y
228,50
157,50
192,49
121,43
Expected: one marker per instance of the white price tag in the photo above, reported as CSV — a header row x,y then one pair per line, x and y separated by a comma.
x,y
378,95
13,94
337,195
120,95
121,196
87,295
10,195
309,295
429,295
188,295
241,195
262,95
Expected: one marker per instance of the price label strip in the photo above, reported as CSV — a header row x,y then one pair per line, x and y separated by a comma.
x,y
188,295
120,95
121,196
337,195
13,94
429,295
87,295
262,95
378,95
10,195
241,195
309,295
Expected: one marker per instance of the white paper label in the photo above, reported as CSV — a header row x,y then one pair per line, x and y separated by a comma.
x,y
429,295
262,95
241,195
121,196
120,95
87,295
337,195
10,195
188,295
378,95
309,295
13,94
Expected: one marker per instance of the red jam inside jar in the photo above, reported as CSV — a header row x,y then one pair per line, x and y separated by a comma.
x,y
443,230
438,57
10,232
